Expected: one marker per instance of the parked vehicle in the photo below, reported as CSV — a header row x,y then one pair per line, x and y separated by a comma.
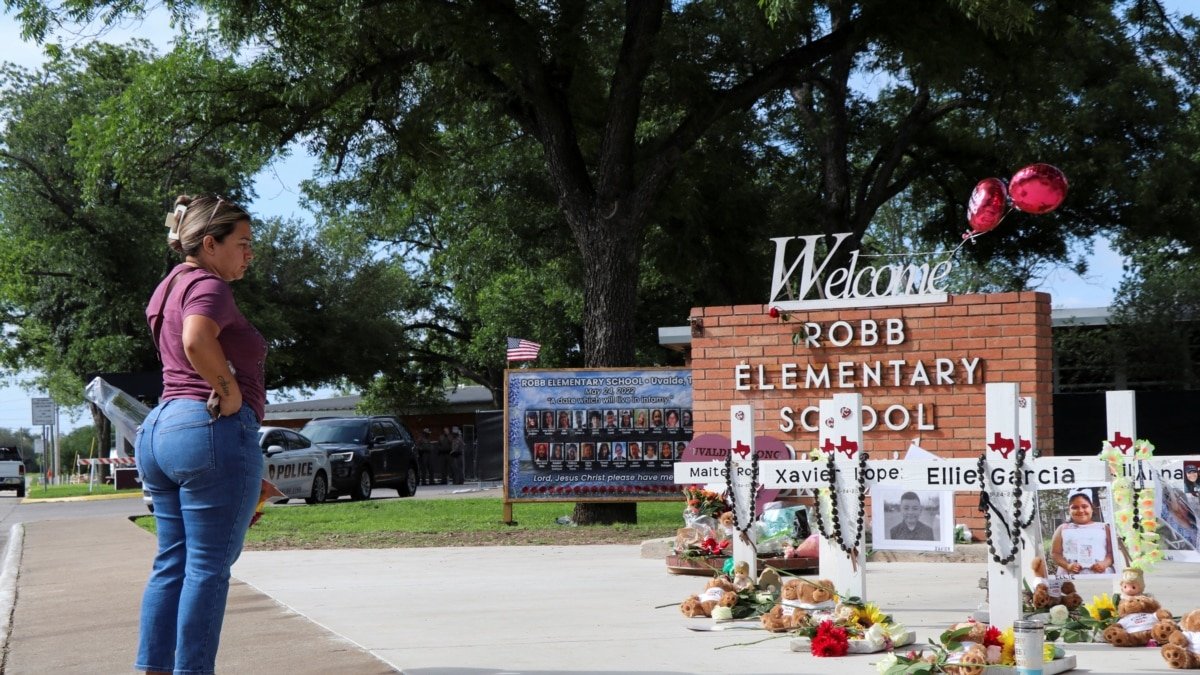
x,y
12,471
292,463
365,452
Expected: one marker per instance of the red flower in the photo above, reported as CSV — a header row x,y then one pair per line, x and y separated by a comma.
x,y
830,640
773,312
992,637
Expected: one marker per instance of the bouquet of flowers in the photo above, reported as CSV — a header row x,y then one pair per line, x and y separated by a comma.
x,y
701,502
1088,625
966,649
853,626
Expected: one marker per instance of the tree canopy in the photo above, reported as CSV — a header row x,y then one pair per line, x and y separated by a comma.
x,y
580,172
82,246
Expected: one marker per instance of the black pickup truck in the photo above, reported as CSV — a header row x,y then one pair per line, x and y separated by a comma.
x,y
365,452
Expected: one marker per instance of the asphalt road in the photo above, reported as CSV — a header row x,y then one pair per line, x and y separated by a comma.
x,y
12,511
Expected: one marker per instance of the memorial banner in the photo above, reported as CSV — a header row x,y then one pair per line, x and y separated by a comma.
x,y
595,434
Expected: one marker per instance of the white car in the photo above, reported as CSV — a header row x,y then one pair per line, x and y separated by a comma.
x,y
292,463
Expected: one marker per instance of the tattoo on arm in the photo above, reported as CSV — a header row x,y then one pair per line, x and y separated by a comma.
x,y
224,384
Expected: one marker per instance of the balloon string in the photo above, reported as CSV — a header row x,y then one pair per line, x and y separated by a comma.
x,y
968,236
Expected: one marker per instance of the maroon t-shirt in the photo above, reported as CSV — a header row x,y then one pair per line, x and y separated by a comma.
x,y
199,291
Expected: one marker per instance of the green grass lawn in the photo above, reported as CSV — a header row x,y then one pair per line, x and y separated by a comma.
x,y
34,490
396,523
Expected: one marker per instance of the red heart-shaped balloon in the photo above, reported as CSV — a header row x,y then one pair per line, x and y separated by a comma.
x,y
989,201
1038,188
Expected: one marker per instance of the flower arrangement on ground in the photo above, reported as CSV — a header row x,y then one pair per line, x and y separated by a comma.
x,y
1086,626
865,627
965,649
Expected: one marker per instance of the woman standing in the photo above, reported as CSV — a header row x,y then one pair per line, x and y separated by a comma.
x,y
197,451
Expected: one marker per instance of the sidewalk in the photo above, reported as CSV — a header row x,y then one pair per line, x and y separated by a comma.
x,y
78,595
437,611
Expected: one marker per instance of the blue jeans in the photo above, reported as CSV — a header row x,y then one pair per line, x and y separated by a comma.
x,y
204,477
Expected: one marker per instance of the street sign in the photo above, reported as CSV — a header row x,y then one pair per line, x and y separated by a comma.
x,y
43,411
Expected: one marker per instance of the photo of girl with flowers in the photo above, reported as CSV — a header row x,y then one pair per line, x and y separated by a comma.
x,y
956,652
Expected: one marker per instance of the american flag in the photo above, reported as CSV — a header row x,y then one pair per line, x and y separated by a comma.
x,y
522,350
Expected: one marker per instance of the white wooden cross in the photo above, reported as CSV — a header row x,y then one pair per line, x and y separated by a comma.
x,y
713,476
840,433
1009,420
948,475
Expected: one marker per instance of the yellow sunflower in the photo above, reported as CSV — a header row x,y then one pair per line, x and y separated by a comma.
x,y
1100,605
1007,651
868,615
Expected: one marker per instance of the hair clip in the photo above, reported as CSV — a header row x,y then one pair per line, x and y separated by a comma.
x,y
174,222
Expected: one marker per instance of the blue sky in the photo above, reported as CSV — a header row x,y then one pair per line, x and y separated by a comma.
x,y
278,194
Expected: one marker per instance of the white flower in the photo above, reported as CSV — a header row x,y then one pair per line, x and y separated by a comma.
x,y
1059,614
875,636
886,662
895,630
722,613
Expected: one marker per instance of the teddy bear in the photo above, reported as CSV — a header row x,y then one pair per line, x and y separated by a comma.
x,y
815,591
1181,647
798,596
977,631
718,592
1138,615
787,614
972,662
1043,598
725,526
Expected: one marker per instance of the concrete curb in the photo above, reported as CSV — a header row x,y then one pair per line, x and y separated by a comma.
x,y
81,498
8,585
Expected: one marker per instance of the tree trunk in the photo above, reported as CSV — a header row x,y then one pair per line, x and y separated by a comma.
x,y
611,252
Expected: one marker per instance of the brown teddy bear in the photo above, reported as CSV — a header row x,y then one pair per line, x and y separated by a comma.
x,y
786,615
814,591
725,526
972,662
1042,596
718,591
1178,650
1138,616
977,631
1043,599
797,596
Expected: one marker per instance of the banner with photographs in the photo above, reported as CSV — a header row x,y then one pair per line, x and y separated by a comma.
x,y
595,434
